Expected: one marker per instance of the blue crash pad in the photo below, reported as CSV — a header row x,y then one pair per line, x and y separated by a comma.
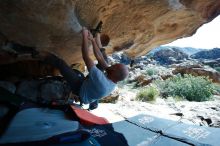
x,y
134,134
164,141
195,134
153,123
141,130
106,135
125,133
37,124
176,130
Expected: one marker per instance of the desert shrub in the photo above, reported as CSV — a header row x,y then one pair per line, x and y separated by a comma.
x,y
188,87
217,69
147,94
151,71
217,89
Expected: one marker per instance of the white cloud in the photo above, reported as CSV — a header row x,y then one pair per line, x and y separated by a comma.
x,y
207,37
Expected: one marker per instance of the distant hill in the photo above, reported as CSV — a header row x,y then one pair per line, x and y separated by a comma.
x,y
167,56
188,50
207,54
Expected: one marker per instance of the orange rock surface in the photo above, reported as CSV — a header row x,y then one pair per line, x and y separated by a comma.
x,y
134,26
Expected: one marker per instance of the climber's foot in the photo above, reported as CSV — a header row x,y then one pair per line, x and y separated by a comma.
x,y
98,29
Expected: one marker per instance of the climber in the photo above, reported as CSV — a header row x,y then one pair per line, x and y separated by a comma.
x,y
98,84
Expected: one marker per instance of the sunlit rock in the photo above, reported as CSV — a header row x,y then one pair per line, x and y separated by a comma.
x,y
135,26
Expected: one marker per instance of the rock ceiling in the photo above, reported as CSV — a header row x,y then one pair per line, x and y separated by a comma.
x,y
134,26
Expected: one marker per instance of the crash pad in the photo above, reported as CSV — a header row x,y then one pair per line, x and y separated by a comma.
x,y
151,122
197,135
37,124
106,135
87,118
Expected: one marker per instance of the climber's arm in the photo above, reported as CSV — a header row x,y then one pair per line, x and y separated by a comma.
x,y
99,44
85,50
98,41
98,53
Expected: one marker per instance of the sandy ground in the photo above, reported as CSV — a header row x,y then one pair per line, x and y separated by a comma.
x,y
199,113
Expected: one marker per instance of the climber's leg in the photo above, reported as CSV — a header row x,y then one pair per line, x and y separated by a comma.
x,y
73,77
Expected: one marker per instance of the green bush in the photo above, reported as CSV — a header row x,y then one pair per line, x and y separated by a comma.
x,y
188,87
217,69
217,88
147,94
151,71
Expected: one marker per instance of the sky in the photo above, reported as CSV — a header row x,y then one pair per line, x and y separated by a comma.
x,y
206,37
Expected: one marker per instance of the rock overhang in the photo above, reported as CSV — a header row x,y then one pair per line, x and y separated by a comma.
x,y
134,27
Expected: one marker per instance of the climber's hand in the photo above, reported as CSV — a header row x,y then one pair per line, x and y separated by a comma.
x,y
90,36
85,32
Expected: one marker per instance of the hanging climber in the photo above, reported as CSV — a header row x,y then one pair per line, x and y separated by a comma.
x,y
98,83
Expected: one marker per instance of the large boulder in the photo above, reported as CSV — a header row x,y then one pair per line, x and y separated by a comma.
x,y
121,58
198,71
169,56
213,63
207,54
135,26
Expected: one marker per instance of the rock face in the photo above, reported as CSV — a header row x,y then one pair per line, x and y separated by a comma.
x,y
212,63
197,71
169,56
121,58
137,26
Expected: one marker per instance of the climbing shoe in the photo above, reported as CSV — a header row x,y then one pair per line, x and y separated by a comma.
x,y
98,29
